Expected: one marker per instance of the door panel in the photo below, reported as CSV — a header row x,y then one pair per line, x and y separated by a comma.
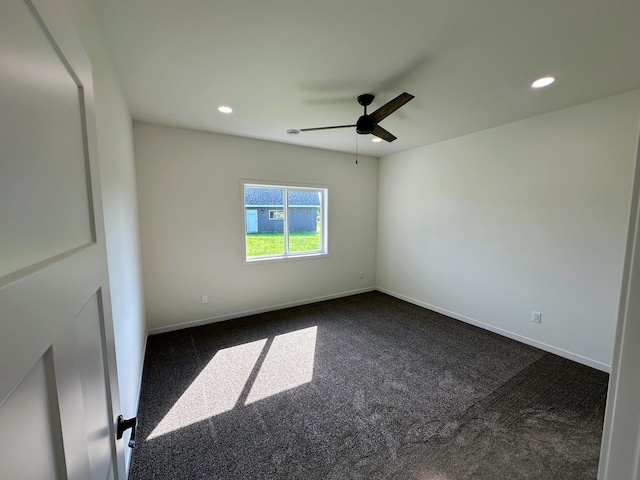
x,y
57,367
41,125
30,436
88,325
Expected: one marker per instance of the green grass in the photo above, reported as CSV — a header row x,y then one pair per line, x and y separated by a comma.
x,y
273,243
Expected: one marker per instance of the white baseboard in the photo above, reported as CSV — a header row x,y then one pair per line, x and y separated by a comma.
x,y
127,451
505,333
245,313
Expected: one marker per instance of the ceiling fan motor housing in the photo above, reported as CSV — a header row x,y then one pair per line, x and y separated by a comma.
x,y
365,125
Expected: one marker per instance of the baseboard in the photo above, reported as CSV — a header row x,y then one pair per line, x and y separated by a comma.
x,y
245,313
505,333
128,451
144,354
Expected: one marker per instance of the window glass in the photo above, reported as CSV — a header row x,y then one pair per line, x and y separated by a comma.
x,y
284,221
305,225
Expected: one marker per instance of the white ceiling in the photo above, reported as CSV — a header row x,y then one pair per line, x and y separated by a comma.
x,y
296,63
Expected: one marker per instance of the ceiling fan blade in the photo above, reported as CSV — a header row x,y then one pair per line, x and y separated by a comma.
x,y
380,132
390,107
325,128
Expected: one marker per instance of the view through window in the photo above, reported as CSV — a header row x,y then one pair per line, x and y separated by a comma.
x,y
284,221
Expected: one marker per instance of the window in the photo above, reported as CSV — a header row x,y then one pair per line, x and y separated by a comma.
x,y
276,214
284,221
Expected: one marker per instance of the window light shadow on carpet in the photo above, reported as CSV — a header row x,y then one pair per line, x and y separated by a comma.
x,y
242,375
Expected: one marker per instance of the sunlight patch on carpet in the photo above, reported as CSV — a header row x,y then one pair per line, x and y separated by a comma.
x,y
241,375
215,390
434,476
288,364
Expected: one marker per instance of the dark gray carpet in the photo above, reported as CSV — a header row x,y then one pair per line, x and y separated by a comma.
x,y
363,387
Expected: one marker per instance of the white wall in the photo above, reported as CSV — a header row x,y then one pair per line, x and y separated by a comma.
x,y
527,216
117,175
192,225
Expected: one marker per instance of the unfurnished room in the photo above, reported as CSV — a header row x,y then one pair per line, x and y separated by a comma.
x,y
319,240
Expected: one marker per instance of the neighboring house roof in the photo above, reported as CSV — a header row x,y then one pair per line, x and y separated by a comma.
x,y
265,197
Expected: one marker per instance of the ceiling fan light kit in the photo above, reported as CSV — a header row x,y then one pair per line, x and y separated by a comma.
x,y
368,123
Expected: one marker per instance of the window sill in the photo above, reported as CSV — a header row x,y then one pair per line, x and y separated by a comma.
x,y
283,258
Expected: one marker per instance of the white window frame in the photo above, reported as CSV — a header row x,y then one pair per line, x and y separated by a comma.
x,y
324,221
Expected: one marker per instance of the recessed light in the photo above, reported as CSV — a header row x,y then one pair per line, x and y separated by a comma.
x,y
293,131
225,109
543,82
376,139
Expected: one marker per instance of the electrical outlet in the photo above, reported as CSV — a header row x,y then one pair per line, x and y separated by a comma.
x,y
205,299
361,275
536,317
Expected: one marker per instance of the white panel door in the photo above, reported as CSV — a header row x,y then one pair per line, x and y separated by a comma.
x,y
58,393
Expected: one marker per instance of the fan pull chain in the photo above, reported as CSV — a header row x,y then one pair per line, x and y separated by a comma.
x,y
356,148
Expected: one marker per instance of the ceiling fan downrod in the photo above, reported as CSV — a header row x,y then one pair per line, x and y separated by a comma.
x,y
365,124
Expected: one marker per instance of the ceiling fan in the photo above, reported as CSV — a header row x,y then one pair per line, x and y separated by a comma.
x,y
368,123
